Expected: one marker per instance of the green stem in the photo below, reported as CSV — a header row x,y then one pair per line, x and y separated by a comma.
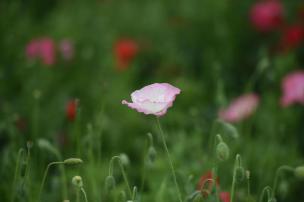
x,y
236,163
123,172
45,175
84,194
214,176
20,153
170,160
277,176
77,195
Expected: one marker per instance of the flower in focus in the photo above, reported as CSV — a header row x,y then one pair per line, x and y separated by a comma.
x,y
125,51
206,180
225,196
240,109
153,99
293,88
266,16
66,49
292,37
43,49
71,109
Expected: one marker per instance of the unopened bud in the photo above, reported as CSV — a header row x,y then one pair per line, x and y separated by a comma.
x,y
222,151
110,183
124,159
73,161
77,181
122,196
239,174
198,198
299,172
152,154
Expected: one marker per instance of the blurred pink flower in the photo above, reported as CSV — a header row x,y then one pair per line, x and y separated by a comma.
x,y
41,48
240,108
153,99
293,88
47,51
125,52
66,49
32,49
225,196
266,16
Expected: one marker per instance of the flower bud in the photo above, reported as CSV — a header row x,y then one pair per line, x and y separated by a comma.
x,y
222,151
124,159
198,198
73,161
122,196
110,183
239,174
77,181
151,154
299,172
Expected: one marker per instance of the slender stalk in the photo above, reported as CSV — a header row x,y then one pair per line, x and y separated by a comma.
x,y
77,195
20,153
84,194
214,176
277,176
170,160
236,163
123,172
45,175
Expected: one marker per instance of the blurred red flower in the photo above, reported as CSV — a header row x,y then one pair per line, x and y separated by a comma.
x,y
225,196
41,48
71,109
125,51
292,37
266,16
204,180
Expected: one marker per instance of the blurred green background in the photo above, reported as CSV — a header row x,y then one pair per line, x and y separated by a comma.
x,y
207,48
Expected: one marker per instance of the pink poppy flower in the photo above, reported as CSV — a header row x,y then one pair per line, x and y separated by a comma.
x,y
125,52
293,88
292,37
47,51
225,196
66,49
32,49
153,99
43,48
240,109
266,16
71,110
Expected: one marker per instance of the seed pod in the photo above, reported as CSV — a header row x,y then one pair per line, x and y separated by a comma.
x,y
110,183
73,161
